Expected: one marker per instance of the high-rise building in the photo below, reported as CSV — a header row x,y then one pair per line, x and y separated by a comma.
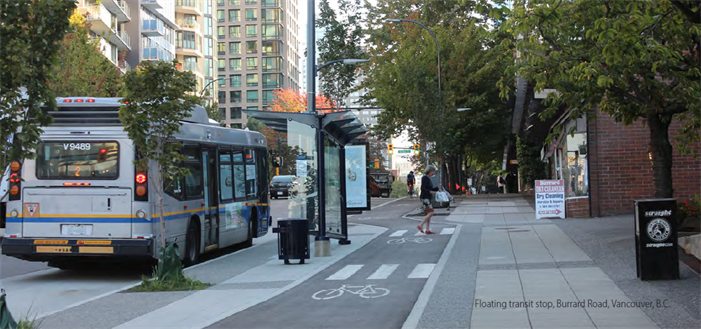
x,y
257,52
131,31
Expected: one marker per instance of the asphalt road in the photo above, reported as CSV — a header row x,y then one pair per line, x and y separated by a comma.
x,y
382,280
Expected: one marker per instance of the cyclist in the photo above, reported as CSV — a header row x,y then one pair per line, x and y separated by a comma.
x,y
410,183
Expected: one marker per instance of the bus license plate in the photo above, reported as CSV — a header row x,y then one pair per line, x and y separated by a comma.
x,y
76,229
48,249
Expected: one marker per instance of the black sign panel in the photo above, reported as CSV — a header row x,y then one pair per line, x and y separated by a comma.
x,y
657,256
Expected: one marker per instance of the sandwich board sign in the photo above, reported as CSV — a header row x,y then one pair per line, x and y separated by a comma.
x,y
550,199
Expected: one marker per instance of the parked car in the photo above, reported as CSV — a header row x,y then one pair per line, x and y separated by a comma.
x,y
281,186
384,181
374,188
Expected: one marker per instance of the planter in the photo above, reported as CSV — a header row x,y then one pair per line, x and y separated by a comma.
x,y
690,224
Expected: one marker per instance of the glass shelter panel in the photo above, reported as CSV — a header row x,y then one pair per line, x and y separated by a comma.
x,y
302,139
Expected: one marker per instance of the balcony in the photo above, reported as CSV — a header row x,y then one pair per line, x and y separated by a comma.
x,y
190,26
151,4
189,48
153,27
193,7
121,39
119,8
99,17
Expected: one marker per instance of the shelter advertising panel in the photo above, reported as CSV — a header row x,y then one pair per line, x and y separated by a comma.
x,y
356,177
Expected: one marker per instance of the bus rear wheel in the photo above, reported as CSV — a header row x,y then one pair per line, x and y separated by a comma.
x,y
251,227
192,245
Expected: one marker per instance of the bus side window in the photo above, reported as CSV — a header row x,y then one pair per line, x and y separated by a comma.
x,y
226,182
193,181
251,177
239,176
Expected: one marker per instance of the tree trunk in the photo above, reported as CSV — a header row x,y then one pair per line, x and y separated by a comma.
x,y
661,151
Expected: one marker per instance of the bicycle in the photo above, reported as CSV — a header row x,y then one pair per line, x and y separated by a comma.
x,y
364,292
411,190
416,240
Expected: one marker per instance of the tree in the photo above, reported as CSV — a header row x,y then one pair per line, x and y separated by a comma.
x,y
83,70
291,100
632,60
213,111
156,100
376,149
28,31
341,40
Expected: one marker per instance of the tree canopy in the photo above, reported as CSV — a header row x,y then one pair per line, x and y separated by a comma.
x,y
631,59
291,100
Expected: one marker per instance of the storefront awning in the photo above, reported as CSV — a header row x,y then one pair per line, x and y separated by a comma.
x,y
343,126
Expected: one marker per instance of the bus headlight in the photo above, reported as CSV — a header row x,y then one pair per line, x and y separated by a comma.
x,y
14,213
141,214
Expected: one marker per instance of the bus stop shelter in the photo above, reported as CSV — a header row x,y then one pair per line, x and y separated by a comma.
x,y
307,133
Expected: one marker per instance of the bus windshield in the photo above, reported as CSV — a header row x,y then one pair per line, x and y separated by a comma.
x,y
77,160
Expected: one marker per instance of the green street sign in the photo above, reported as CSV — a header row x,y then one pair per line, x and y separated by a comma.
x,y
403,151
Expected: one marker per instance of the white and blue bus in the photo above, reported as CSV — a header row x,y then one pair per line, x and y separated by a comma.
x,y
82,198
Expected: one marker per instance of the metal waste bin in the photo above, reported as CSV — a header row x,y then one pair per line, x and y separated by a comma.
x,y
656,253
293,239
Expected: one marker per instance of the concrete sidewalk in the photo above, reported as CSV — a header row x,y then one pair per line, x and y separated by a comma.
x,y
508,270
253,276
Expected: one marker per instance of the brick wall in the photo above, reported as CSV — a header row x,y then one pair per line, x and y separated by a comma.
x,y
620,170
577,207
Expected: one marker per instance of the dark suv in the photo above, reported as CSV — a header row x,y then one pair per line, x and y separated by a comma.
x,y
384,182
281,186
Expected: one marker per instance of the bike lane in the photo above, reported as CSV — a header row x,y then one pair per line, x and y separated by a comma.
x,y
375,287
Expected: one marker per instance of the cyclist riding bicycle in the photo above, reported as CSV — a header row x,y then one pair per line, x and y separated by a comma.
x,y
410,183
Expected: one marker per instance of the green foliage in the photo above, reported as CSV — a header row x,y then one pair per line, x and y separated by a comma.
x,y
82,69
530,167
631,59
28,31
181,283
254,125
400,189
341,41
213,111
157,99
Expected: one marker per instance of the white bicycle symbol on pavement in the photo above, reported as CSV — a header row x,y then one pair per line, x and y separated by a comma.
x,y
416,240
362,291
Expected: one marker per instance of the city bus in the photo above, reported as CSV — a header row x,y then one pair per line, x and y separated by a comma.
x,y
82,198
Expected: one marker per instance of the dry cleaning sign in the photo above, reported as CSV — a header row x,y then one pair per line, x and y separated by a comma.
x,y
550,199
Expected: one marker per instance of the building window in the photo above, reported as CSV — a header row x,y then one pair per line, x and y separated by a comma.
x,y
235,113
235,80
220,3
190,63
252,108
251,31
251,63
235,96
272,32
208,26
234,48
189,21
272,81
251,15
270,3
220,32
222,65
223,113
222,97
268,96
251,2
220,15
252,80
251,47
234,15
234,32
270,16
271,48
234,2
235,64
272,64
221,81
208,67
209,46
251,96
221,48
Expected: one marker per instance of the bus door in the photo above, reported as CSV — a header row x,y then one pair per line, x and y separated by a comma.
x,y
211,199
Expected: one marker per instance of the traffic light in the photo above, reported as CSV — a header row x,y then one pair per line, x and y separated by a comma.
x,y
416,149
277,162
377,163
390,149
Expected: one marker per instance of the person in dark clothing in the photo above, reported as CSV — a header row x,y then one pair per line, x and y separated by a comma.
x,y
410,183
426,190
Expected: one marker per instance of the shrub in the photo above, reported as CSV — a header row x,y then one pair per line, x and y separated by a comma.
x,y
690,208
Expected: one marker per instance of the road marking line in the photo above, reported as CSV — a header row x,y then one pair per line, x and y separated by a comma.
x,y
345,272
383,272
398,233
448,230
421,271
419,233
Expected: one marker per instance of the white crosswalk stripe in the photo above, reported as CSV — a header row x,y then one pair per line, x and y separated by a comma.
x,y
383,272
345,272
448,230
398,233
419,233
422,271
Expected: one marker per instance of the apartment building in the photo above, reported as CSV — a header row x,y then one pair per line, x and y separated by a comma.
x,y
131,31
257,52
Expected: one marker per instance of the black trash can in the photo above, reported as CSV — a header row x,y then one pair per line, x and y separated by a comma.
x,y
656,253
293,239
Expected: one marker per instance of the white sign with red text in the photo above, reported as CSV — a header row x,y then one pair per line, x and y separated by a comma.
x,y
550,199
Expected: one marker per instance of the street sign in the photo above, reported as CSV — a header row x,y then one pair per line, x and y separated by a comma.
x,y
403,151
550,199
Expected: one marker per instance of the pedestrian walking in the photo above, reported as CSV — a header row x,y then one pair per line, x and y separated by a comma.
x,y
426,190
501,183
410,183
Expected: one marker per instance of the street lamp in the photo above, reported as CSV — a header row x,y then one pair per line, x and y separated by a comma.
x,y
440,97
208,84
